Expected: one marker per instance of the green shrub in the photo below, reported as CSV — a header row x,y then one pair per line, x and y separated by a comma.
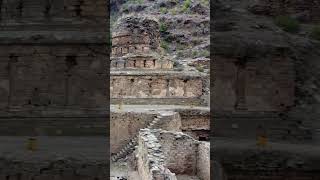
x,y
137,1
163,10
194,54
315,32
205,2
200,68
164,45
186,5
173,11
163,27
204,53
180,54
287,24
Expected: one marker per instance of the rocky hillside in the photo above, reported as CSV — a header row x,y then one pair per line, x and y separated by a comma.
x,y
243,28
184,25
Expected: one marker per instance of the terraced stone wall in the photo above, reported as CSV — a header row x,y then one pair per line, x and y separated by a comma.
x,y
122,45
151,159
140,62
196,123
125,125
177,152
180,89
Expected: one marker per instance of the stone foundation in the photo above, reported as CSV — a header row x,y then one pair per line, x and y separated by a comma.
x,y
157,85
125,125
151,159
173,152
140,62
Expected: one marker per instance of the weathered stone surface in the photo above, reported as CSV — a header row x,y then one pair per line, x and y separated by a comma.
x,y
52,68
144,76
304,10
171,152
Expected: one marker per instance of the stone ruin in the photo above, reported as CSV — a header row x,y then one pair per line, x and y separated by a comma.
x,y
162,152
52,83
154,106
51,69
140,74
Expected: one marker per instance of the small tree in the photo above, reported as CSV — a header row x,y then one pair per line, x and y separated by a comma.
x,y
288,24
163,28
315,32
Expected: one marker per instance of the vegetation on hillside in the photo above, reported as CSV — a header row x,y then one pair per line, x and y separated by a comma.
x,y
288,24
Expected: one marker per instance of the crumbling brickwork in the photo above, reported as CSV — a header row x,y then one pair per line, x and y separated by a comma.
x,y
203,162
151,159
126,125
155,86
168,151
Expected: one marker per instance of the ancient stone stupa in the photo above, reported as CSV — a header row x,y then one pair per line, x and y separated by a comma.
x,y
141,74
136,45
164,111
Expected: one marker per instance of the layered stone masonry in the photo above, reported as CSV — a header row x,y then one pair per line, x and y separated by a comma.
x,y
151,160
125,127
140,74
135,34
155,85
140,62
196,123
135,49
160,152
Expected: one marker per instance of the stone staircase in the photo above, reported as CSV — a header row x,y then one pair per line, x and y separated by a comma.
x,y
130,147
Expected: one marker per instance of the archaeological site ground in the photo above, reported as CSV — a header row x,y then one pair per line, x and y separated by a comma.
x,y
160,121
